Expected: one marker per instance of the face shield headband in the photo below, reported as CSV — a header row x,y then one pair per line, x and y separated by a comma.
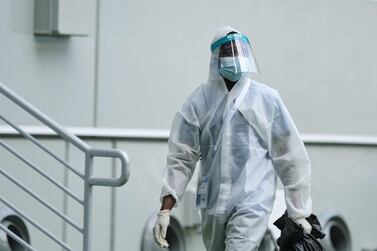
x,y
228,38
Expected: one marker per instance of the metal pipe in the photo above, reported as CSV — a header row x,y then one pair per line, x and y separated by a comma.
x,y
87,243
113,153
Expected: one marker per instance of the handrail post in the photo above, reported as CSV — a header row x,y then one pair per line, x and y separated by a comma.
x,y
87,203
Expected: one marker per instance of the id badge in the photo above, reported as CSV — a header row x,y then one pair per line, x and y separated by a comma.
x,y
202,193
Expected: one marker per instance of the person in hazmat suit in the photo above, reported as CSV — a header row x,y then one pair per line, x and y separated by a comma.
x,y
244,137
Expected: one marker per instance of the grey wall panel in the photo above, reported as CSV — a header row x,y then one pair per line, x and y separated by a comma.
x,y
344,178
153,55
158,55
321,56
317,54
101,214
38,184
54,74
138,199
148,64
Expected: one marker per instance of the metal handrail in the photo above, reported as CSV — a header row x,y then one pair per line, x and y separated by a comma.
x,y
35,224
36,142
89,181
41,200
162,135
39,170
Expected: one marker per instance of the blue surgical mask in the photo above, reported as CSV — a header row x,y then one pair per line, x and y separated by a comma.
x,y
233,68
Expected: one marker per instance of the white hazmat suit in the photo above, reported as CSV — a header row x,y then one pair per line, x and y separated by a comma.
x,y
258,142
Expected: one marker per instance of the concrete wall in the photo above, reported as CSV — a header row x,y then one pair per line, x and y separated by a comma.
x,y
151,55
55,74
343,178
119,215
143,58
32,180
317,54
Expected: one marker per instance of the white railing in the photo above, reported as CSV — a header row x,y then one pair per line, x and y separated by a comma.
x,y
163,135
89,181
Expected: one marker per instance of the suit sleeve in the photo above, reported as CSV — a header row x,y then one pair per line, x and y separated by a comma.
x,y
182,157
291,162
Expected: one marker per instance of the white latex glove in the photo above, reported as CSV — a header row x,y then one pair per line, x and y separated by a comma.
x,y
304,223
161,227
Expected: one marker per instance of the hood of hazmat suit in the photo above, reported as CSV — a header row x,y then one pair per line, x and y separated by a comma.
x,y
244,138
231,48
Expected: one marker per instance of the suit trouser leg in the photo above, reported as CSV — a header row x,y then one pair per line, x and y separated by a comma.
x,y
243,230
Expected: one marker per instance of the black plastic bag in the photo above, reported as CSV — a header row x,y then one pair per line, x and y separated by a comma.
x,y
294,238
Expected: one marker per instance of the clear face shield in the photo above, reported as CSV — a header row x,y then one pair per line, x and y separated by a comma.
x,y
234,56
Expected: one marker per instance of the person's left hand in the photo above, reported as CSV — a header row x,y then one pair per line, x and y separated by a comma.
x,y
304,224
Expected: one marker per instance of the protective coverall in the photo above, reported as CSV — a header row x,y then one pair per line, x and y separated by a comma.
x,y
257,143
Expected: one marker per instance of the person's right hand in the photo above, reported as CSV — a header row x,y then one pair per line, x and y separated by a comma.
x,y
161,227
